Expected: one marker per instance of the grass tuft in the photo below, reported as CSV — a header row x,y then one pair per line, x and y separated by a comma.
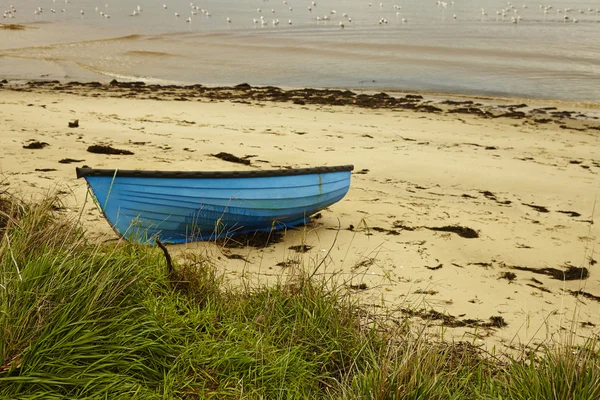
x,y
564,373
81,320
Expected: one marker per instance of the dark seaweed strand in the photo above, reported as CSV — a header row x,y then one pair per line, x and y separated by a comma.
x,y
83,172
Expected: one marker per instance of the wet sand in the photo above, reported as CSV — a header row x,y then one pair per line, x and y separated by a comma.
x,y
474,216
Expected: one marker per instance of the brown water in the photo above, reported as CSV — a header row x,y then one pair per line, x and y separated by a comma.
x,y
541,56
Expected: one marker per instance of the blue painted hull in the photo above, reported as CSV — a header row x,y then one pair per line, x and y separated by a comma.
x,y
183,209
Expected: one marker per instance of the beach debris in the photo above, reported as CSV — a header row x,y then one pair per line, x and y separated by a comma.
x,y
331,97
287,263
360,286
254,239
74,124
232,256
35,145
471,110
541,288
572,128
571,273
429,292
482,264
45,169
400,225
587,295
439,266
491,196
451,321
99,149
363,171
562,114
498,322
461,231
513,106
364,263
231,158
570,213
12,27
541,209
457,103
512,114
509,276
69,161
128,85
428,108
383,230
303,248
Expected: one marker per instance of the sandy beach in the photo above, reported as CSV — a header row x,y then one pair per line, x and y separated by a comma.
x,y
474,216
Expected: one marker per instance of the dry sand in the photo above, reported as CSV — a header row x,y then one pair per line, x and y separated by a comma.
x,y
527,189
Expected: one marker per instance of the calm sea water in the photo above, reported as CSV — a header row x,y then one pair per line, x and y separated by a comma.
x,y
465,47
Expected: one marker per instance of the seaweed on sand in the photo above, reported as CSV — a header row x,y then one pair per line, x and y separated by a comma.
x,y
99,149
35,145
255,239
570,274
231,158
303,248
461,231
69,161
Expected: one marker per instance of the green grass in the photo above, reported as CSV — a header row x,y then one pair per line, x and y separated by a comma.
x,y
81,320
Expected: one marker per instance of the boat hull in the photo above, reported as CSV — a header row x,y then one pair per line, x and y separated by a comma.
x,y
179,208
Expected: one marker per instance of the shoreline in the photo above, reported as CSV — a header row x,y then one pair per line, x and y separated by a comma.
x,y
489,107
423,169
124,82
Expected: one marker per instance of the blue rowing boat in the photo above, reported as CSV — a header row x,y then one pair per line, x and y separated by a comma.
x,y
179,207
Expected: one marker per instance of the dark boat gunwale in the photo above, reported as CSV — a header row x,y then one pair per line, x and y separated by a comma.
x,y
85,172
